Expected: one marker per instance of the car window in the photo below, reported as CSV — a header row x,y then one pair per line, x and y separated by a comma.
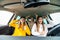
x,y
55,17
5,16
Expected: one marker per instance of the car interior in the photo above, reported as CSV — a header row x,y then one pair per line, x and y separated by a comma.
x,y
10,9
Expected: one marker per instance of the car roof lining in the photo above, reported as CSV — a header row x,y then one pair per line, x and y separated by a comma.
x,y
46,9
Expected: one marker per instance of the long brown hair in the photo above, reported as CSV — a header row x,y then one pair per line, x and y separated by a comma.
x,y
23,23
37,24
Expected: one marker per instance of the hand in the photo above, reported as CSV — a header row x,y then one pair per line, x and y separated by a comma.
x,y
42,33
27,16
36,15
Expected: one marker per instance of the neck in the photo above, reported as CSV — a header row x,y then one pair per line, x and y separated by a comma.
x,y
40,23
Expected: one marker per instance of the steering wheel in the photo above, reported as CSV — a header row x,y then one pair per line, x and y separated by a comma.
x,y
55,31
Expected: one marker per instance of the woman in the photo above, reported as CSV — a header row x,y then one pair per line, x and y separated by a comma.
x,y
31,22
39,29
21,28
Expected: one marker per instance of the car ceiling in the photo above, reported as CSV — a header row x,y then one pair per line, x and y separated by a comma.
x,y
41,10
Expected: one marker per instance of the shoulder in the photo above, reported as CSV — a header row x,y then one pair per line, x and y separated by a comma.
x,y
34,24
45,25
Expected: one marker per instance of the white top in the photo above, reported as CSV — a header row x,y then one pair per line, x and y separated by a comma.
x,y
35,33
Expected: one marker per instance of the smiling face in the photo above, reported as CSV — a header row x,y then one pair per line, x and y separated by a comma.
x,y
40,20
32,19
22,20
